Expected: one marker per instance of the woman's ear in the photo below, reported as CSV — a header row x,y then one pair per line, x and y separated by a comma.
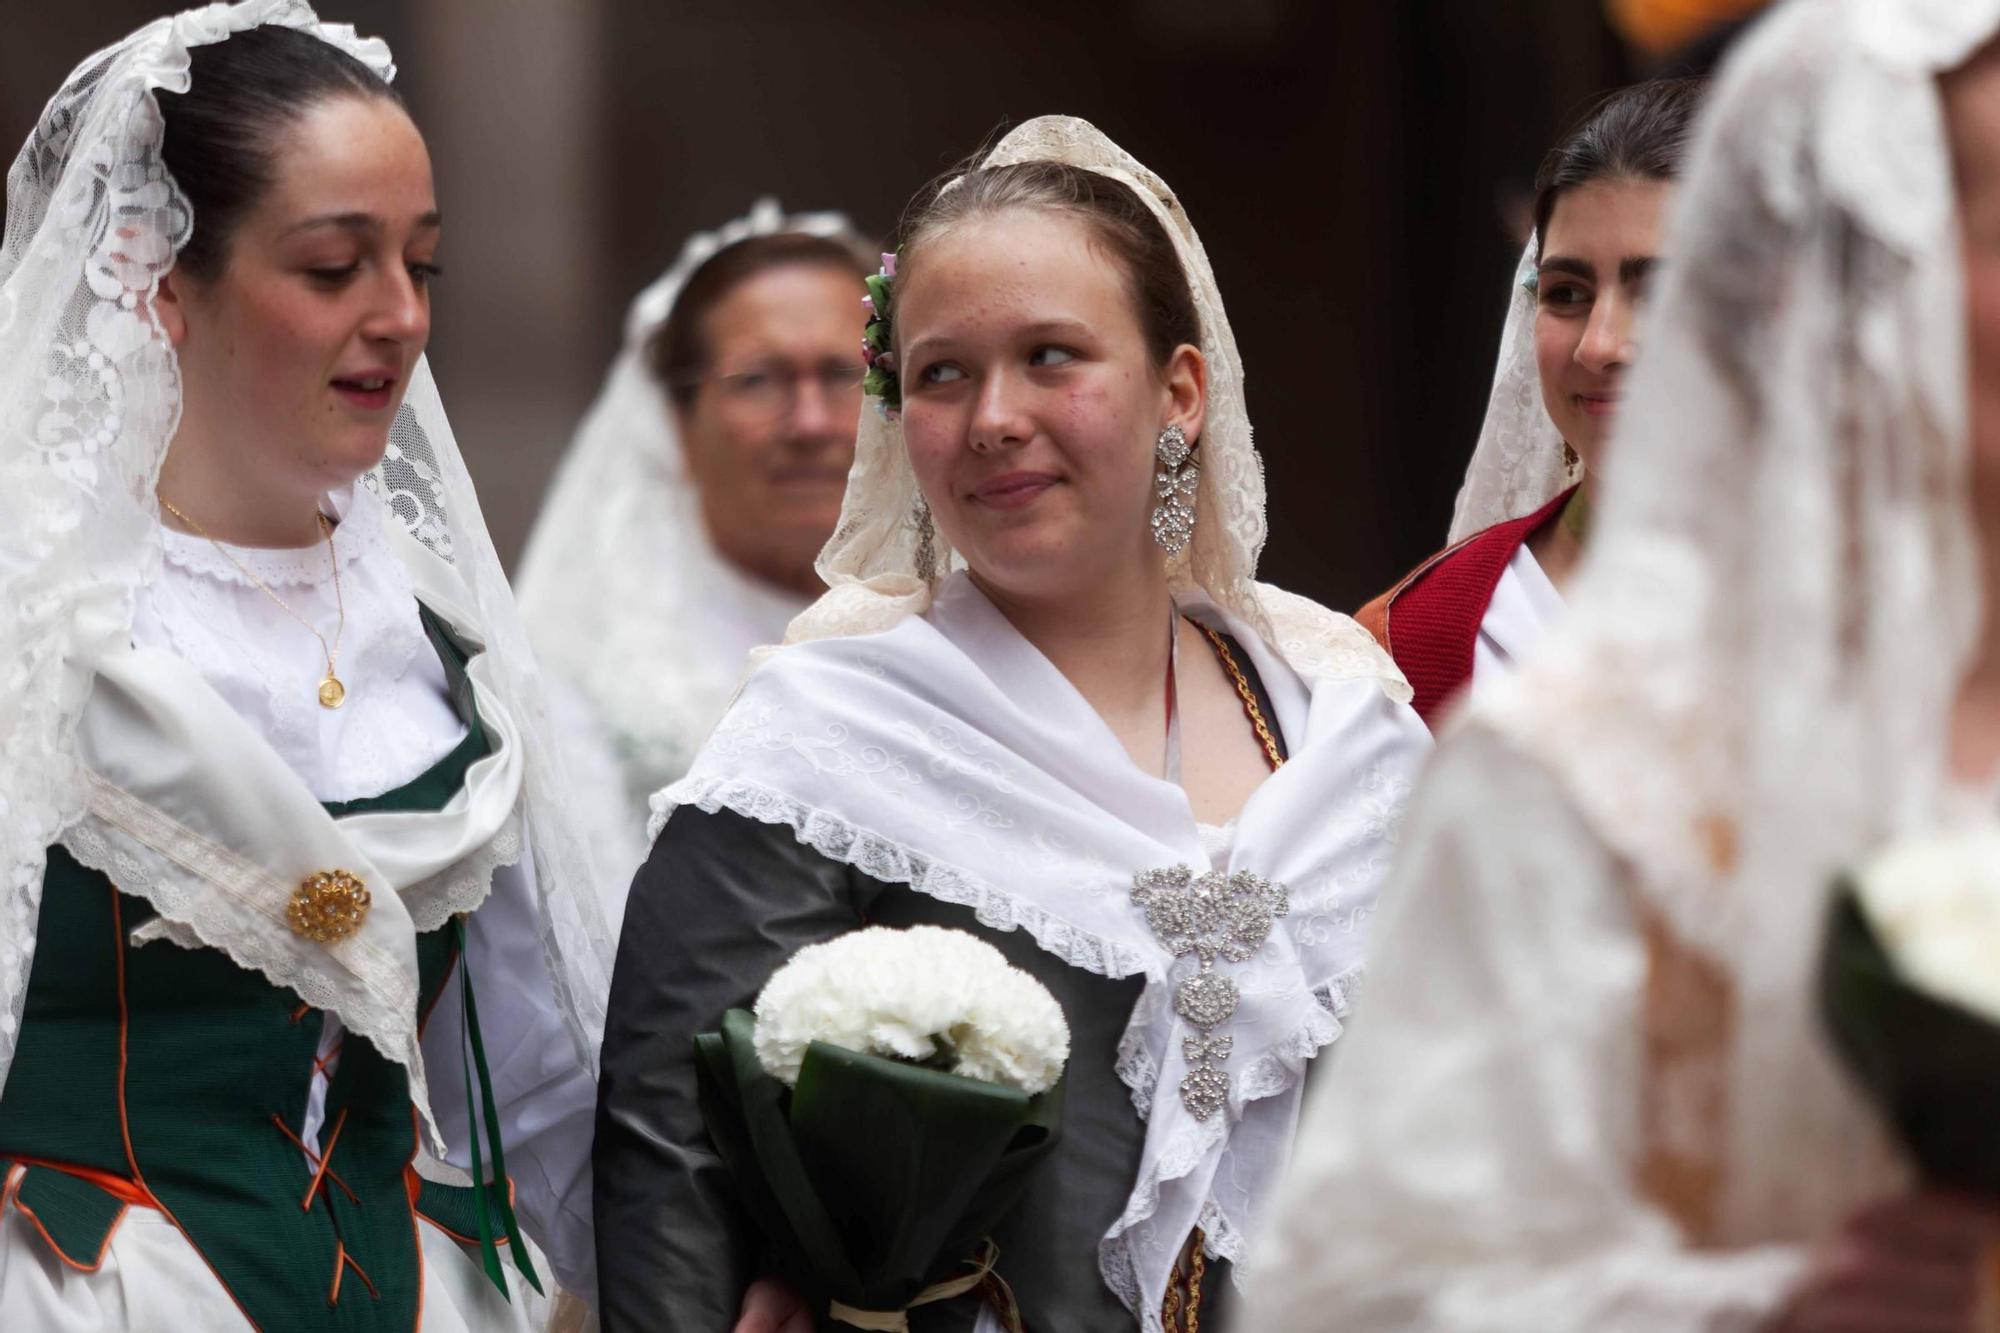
x,y
170,309
1187,391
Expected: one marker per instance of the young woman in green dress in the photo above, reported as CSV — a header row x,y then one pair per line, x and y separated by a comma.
x,y
300,969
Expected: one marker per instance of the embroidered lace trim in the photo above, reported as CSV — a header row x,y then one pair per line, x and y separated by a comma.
x,y
360,530
892,863
211,893
208,896
1268,1077
464,886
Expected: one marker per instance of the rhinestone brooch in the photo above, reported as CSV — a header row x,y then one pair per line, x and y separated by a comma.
x,y
1210,916
328,906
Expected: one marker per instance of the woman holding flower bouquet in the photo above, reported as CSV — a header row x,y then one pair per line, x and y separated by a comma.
x,y
1600,1082
1045,701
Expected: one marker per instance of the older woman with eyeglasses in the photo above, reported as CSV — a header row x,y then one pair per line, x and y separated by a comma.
x,y
683,524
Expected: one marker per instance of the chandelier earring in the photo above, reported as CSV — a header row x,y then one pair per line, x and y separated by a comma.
x,y
1174,484
920,519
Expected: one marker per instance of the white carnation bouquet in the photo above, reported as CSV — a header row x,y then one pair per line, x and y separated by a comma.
x,y
927,995
882,1109
1910,987
1935,903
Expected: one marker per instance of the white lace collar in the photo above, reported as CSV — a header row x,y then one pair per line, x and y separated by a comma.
x,y
360,534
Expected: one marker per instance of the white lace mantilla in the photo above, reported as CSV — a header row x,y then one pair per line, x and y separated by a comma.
x,y
885,561
90,392
90,395
1621,860
650,676
1519,464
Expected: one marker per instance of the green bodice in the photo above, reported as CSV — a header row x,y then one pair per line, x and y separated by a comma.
x,y
180,1073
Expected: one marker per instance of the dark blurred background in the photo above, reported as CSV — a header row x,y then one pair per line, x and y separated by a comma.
x,y
1352,167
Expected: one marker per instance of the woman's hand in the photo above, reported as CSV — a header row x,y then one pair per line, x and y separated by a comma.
x,y
1907,1265
771,1306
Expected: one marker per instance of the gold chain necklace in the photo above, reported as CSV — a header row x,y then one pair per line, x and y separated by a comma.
x,y
332,694
1265,737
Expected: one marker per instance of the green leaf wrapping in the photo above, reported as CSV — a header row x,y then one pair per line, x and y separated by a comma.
x,y
744,1109
1930,1066
873,1178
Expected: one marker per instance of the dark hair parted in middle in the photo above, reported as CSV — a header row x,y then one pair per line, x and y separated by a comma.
x,y
1118,220
1640,133
678,352
222,134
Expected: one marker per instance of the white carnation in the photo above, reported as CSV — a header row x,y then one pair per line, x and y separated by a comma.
x,y
902,993
1935,904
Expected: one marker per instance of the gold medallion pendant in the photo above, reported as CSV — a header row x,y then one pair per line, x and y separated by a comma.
x,y
328,906
332,694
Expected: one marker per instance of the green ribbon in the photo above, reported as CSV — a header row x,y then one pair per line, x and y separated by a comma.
x,y
485,1197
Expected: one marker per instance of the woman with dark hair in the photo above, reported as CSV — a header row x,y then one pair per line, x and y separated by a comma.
x,y
275,799
694,498
1591,1085
1480,605
1044,688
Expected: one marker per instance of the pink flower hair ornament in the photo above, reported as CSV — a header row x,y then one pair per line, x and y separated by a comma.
x,y
881,382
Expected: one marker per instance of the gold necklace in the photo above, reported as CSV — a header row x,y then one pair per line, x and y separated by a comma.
x,y
332,694
1265,737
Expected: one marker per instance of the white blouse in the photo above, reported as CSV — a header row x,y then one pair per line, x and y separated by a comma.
x,y
397,720
1524,609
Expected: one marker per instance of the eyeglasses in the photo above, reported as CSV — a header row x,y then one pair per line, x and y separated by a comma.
x,y
769,392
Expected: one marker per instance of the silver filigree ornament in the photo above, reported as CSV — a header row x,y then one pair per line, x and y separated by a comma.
x,y
1174,484
926,527
1212,916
